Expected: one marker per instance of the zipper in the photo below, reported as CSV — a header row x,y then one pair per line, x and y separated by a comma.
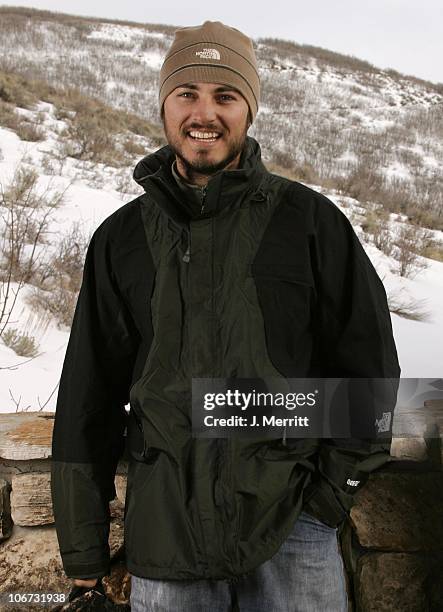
x,y
203,198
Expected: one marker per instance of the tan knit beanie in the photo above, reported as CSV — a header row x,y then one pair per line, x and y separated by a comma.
x,y
212,53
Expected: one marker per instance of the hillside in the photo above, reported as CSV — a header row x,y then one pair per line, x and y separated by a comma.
x,y
66,161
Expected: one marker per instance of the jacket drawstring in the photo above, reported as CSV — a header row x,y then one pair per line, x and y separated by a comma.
x,y
283,440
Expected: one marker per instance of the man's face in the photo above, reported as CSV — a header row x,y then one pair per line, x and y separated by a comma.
x,y
206,126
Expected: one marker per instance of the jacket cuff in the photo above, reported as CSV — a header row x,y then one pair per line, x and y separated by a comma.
x,y
84,571
323,504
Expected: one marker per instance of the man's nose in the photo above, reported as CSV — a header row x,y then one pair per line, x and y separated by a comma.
x,y
204,110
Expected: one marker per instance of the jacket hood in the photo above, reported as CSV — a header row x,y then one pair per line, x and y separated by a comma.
x,y
154,174
159,163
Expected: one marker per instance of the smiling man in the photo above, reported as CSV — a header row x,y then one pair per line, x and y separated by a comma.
x,y
219,270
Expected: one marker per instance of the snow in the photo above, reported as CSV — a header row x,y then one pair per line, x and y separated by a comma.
x,y
152,59
398,171
118,33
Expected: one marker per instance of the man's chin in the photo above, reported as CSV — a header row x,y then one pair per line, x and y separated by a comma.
x,y
205,164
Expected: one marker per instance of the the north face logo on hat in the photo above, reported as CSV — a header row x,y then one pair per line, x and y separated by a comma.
x,y
208,54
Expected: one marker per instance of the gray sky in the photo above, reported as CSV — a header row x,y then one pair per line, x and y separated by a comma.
x,y
406,35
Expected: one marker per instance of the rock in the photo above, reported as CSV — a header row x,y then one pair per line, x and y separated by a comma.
x,y
26,435
398,581
9,467
5,510
30,563
414,449
120,487
400,512
116,508
31,502
116,536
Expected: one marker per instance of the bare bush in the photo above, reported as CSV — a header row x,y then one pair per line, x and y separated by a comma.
x,y
125,184
89,136
29,131
8,117
376,224
134,148
24,221
59,281
14,90
21,343
408,245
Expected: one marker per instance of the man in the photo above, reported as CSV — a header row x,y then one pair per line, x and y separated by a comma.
x,y
219,270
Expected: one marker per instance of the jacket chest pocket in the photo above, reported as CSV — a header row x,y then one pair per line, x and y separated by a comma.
x,y
287,299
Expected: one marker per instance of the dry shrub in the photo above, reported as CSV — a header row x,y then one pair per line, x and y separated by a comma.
x,y
124,183
25,213
408,246
21,343
376,223
433,251
89,134
26,130
8,117
92,133
59,281
59,301
305,173
134,148
361,183
14,90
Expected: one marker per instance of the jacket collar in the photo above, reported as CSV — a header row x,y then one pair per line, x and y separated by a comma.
x,y
154,174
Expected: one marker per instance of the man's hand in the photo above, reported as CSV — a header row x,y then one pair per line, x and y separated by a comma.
x,y
86,583
81,587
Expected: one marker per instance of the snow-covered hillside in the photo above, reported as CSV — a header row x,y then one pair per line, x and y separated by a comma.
x,y
323,116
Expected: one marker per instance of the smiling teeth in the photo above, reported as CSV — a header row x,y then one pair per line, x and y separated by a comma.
x,y
204,135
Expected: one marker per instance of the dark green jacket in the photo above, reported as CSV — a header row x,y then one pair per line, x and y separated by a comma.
x,y
267,280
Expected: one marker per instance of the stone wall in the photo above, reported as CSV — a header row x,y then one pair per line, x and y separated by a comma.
x,y
392,544
29,555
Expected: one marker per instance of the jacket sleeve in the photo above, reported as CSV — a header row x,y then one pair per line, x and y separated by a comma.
x,y
90,418
355,341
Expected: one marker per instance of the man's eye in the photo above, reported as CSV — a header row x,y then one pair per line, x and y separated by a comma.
x,y
226,97
185,94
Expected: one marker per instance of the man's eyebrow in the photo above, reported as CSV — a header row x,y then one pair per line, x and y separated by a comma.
x,y
226,88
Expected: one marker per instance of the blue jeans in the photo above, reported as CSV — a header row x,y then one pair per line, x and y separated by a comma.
x,y
306,575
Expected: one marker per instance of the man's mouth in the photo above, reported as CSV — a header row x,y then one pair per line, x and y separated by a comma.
x,y
203,136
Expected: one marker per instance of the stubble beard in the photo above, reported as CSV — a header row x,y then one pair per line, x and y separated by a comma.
x,y
201,166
